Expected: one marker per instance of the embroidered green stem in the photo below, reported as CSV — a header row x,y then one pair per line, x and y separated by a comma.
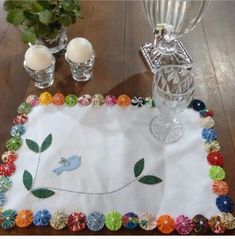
x,y
45,192
139,166
28,180
36,172
95,193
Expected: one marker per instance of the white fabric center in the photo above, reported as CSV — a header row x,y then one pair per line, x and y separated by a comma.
x,y
110,140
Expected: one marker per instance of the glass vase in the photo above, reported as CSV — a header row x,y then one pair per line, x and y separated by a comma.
x,y
170,19
56,44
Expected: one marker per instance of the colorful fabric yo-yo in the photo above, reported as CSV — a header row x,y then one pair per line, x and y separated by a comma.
x,y
24,218
58,99
45,98
7,219
33,100
166,224
183,225
71,100
113,221
201,225
77,221
95,221
130,220
124,100
59,220
42,218
24,108
110,100
84,100
147,221
98,100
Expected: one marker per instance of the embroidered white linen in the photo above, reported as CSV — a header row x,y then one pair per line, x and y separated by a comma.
x,y
110,140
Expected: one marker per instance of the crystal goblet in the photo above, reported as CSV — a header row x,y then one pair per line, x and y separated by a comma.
x,y
170,19
173,88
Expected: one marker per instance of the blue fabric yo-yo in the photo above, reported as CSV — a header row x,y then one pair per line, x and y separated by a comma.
x,y
95,221
130,220
197,105
42,218
224,203
17,130
209,134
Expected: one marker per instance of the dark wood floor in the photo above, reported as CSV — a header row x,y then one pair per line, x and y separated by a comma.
x,y
116,30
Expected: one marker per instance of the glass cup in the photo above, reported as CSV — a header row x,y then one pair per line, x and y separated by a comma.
x,y
43,78
81,71
173,88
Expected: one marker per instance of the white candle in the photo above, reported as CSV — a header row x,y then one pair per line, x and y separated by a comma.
x,y
79,50
38,57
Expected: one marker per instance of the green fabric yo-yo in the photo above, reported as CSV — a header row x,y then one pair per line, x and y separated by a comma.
x,y
113,221
216,173
71,100
13,143
7,219
24,108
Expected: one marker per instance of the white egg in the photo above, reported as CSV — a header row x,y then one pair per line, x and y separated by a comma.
x,y
38,57
79,50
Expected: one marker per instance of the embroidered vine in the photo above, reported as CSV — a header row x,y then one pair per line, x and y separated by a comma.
x,y
70,164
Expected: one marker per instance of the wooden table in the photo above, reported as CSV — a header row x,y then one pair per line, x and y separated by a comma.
x,y
116,30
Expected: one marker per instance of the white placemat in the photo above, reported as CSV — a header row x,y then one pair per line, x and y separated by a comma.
x,y
106,143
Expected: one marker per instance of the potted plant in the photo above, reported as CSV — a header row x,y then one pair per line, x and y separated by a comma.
x,y
43,21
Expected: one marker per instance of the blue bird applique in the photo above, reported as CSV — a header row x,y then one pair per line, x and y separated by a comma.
x,y
70,164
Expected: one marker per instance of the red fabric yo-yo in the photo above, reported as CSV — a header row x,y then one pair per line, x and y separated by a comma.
x,y
215,158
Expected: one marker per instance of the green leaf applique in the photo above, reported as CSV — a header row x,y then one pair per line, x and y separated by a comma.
x,y
139,167
150,179
27,179
42,193
46,143
32,145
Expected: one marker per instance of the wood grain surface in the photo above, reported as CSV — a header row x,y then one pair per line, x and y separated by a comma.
x,y
116,30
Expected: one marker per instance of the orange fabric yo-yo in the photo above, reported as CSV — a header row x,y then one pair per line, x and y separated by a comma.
x,y
58,99
166,224
124,100
24,218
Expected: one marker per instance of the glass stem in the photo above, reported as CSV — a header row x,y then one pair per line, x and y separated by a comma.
x,y
168,119
166,44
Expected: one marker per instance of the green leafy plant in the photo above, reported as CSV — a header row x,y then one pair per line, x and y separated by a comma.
x,y
40,19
